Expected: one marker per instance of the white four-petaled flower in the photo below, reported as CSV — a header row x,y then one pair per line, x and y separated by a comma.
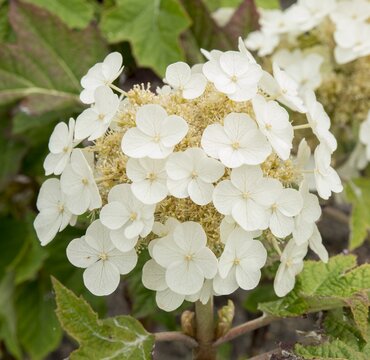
x,y
291,264
104,263
101,74
273,121
186,258
61,144
191,174
238,142
155,134
233,74
246,197
126,217
148,178
180,77
54,214
240,264
93,122
77,182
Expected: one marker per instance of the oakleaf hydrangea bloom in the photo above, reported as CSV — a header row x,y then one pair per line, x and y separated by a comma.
x,y
54,215
240,263
101,74
104,263
61,144
148,178
202,175
155,134
78,184
93,122
192,174
185,255
180,77
233,74
126,217
238,142
291,265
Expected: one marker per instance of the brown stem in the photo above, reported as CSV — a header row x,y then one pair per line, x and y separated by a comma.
x,y
205,329
176,336
244,328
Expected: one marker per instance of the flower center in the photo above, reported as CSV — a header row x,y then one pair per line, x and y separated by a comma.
x,y
156,138
61,207
151,176
194,175
236,261
274,207
101,117
246,194
268,126
235,145
85,181
103,256
189,257
65,149
234,79
289,263
133,216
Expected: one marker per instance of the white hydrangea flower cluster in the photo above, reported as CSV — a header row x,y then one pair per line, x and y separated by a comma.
x,y
316,43
202,174
349,17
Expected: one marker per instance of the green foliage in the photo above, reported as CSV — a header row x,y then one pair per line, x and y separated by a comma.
x,y
358,194
323,286
45,65
121,337
152,27
76,14
344,340
261,294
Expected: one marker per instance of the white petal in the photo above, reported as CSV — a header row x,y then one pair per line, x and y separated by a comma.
x,y
200,192
184,277
178,74
284,281
190,236
101,278
168,300
316,245
154,276
121,242
224,197
247,280
207,262
59,138
225,286
124,261
114,215
249,215
167,252
80,254
173,130
194,87
47,224
149,192
280,224
214,138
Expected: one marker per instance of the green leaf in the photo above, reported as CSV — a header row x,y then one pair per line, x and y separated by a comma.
x,y
46,63
76,14
8,331
359,305
152,27
268,4
121,337
38,328
358,194
322,287
216,4
335,350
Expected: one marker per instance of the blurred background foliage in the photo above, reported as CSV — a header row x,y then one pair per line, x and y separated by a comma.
x,y
46,47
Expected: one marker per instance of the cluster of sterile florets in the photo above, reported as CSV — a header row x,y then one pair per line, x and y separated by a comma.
x,y
325,46
201,173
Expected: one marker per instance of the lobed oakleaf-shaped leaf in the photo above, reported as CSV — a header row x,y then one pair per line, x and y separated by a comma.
x,y
45,64
121,337
77,14
358,194
322,287
152,27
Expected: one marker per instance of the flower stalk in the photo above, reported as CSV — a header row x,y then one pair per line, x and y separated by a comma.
x,y
205,329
